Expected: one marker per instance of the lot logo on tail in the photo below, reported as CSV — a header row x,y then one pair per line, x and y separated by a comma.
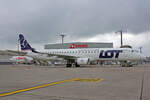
x,y
23,43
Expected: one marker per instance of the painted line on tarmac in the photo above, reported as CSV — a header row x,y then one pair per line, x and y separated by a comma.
x,y
88,79
50,84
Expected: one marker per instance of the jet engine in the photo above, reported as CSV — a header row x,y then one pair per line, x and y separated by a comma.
x,y
83,61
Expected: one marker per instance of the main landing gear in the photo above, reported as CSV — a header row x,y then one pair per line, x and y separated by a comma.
x,y
72,63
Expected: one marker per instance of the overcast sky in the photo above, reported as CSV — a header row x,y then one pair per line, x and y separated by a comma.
x,y
41,21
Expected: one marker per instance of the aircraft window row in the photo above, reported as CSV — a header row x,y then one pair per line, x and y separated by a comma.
x,y
135,51
79,51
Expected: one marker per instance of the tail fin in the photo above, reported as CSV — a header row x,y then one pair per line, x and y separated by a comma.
x,y
25,46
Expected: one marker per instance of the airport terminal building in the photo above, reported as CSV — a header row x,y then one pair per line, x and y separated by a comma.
x,y
76,45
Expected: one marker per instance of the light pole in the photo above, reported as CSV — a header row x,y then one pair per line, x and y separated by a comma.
x,y
120,31
62,36
140,49
18,45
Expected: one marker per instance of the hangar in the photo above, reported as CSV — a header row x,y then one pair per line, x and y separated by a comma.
x,y
76,45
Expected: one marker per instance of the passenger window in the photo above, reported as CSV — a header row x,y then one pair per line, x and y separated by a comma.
x,y
97,51
83,51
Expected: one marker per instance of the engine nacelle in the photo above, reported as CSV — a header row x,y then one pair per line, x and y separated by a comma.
x,y
83,61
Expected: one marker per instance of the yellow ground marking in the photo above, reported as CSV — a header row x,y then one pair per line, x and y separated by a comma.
x,y
53,83
88,79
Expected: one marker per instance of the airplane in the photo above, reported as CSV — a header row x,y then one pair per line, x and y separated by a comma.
x,y
22,59
83,56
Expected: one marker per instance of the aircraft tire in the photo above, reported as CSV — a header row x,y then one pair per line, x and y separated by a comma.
x,y
68,65
77,65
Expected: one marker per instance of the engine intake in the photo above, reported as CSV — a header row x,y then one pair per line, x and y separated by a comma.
x,y
83,61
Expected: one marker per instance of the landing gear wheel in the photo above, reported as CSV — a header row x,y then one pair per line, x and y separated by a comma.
x,y
77,65
68,65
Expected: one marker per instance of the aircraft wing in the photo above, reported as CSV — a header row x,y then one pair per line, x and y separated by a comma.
x,y
63,56
60,56
11,53
66,56
16,52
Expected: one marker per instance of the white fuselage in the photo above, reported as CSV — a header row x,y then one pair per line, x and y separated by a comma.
x,y
98,53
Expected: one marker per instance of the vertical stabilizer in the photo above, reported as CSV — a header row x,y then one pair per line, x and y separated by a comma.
x,y
25,46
